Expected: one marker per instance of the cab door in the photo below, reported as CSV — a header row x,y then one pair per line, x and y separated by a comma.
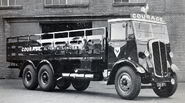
x,y
116,42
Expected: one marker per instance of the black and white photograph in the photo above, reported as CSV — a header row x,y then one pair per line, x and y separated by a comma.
x,y
92,51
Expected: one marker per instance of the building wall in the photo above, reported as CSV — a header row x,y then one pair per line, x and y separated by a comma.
x,y
26,19
24,28
175,17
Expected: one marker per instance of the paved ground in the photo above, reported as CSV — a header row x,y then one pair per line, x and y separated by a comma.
x,y
12,91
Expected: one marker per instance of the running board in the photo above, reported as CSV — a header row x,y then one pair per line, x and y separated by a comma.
x,y
76,76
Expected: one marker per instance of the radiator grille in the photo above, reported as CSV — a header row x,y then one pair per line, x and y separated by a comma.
x,y
160,58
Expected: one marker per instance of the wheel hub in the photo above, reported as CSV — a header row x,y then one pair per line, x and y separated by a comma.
x,y
44,77
28,76
125,82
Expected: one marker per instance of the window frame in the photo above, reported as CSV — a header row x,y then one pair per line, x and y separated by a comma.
x,y
9,6
66,5
121,1
118,4
8,3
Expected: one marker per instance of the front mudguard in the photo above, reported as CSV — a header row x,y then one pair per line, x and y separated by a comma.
x,y
124,62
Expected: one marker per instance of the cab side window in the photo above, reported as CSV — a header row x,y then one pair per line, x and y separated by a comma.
x,y
118,31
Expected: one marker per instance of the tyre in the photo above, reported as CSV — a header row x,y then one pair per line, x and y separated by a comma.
x,y
167,90
63,84
80,85
46,78
127,83
30,77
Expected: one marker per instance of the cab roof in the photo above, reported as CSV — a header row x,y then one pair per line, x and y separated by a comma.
x,y
133,19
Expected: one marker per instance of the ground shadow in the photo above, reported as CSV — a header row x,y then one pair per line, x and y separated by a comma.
x,y
104,94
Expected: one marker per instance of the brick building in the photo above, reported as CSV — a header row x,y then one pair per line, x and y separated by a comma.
x,y
22,17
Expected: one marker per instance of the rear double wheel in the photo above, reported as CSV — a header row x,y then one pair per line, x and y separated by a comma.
x,y
46,78
127,83
30,77
63,84
80,84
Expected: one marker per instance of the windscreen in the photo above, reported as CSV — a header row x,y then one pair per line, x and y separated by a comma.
x,y
145,31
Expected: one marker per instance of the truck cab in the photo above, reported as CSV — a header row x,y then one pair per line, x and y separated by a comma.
x,y
139,52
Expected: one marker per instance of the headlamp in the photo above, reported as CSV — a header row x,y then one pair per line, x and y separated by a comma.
x,y
147,54
144,54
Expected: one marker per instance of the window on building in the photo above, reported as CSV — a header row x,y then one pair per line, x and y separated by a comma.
x,y
129,1
8,2
66,2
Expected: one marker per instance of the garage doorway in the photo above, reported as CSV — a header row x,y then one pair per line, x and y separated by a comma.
x,y
63,26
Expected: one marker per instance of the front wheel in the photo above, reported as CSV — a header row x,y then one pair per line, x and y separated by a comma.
x,y
167,90
127,83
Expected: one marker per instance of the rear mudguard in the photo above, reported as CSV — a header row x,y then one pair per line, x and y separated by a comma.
x,y
124,62
41,63
26,62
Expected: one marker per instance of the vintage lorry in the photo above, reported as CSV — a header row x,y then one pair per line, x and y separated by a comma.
x,y
127,53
